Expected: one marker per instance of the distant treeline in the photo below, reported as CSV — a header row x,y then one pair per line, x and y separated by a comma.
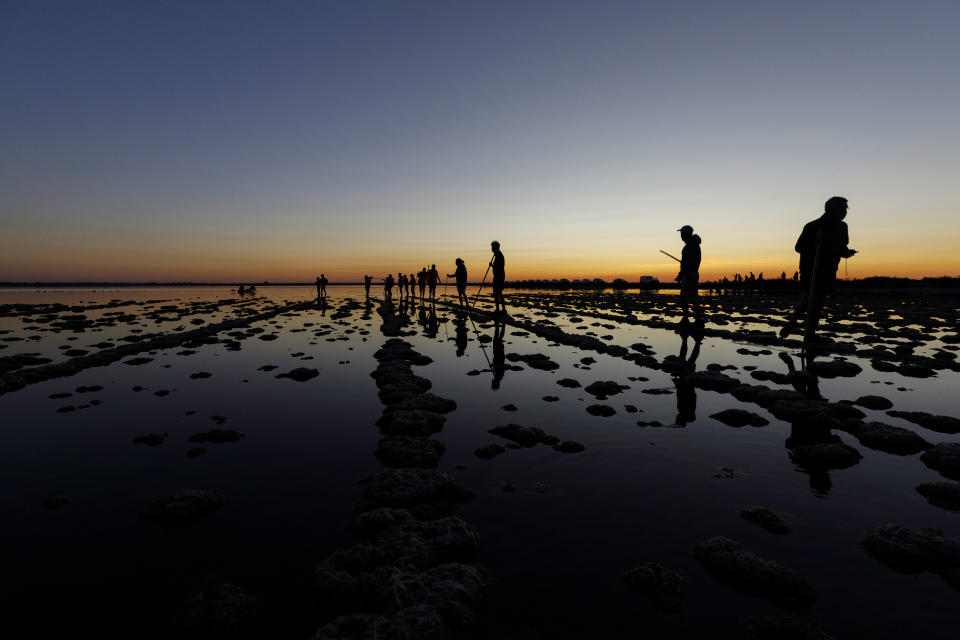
x,y
873,282
775,284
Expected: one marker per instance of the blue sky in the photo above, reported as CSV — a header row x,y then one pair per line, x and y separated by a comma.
x,y
213,140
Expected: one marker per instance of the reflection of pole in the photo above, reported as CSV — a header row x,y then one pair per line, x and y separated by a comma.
x,y
489,366
489,264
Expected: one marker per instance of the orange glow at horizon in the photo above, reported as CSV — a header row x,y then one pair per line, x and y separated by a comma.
x,y
232,264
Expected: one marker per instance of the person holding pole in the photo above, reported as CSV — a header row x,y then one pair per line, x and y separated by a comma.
x,y
689,276
821,245
461,275
366,283
499,278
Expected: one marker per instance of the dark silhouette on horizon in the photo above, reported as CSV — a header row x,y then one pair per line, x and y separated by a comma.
x,y
689,276
461,277
822,243
388,286
422,281
433,279
498,264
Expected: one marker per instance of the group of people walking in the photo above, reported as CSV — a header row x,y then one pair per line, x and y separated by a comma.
x,y
821,245
426,280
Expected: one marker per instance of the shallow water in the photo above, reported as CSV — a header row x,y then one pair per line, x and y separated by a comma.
x,y
636,494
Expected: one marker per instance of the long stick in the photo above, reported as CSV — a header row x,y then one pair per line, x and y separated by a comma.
x,y
813,285
667,254
489,264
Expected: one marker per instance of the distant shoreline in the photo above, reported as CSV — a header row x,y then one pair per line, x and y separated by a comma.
x,y
871,283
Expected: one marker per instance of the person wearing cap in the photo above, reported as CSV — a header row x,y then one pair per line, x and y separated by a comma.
x,y
689,276
461,275
821,245
497,262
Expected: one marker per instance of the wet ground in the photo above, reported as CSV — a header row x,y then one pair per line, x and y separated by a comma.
x,y
86,373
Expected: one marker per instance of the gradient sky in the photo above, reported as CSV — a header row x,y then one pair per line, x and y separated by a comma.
x,y
271,141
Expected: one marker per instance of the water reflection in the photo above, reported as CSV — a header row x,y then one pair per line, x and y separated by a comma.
x,y
803,381
686,392
460,334
812,445
499,365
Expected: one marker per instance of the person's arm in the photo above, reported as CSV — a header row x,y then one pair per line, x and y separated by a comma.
x,y
846,251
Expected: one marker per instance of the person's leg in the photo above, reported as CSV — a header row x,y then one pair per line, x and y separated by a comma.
x,y
814,313
683,303
695,304
798,311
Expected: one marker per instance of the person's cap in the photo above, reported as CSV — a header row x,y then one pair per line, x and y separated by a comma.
x,y
686,228
836,202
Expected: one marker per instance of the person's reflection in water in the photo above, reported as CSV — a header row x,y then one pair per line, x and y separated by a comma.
x,y
804,434
422,316
803,381
460,334
812,431
499,364
686,392
433,324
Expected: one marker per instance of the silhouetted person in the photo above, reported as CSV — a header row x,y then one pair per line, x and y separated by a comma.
x,y
242,290
689,276
366,283
321,285
388,286
401,284
422,281
461,275
412,281
433,279
783,276
499,364
498,264
821,245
